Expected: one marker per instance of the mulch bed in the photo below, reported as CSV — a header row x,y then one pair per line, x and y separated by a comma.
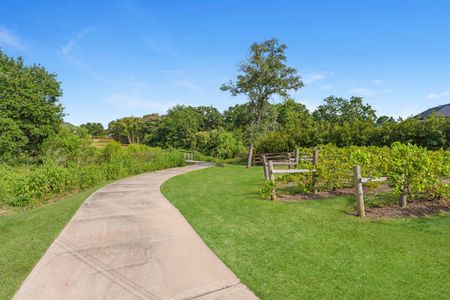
x,y
327,194
418,208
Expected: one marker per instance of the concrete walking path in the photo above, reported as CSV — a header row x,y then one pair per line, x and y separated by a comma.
x,y
128,242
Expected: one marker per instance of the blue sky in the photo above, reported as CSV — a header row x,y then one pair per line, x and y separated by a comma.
x,y
121,58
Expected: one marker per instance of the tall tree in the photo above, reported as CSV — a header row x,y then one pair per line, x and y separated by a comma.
x,y
236,117
178,127
95,130
263,75
127,130
29,103
211,117
340,110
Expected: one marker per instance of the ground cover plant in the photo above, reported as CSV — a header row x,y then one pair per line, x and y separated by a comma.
x,y
312,249
70,168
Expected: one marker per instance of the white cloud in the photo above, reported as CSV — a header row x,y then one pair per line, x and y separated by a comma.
x,y
326,87
362,92
312,77
435,96
8,39
67,48
378,82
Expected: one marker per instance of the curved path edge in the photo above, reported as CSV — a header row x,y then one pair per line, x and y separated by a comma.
x,y
127,241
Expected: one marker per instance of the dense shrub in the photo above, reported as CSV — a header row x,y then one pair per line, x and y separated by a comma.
x,y
218,143
412,170
52,179
68,148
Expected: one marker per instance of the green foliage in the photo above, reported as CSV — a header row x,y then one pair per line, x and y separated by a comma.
x,y
54,178
29,107
264,75
178,127
67,149
266,190
127,130
412,170
218,143
237,117
210,116
275,142
339,110
13,141
95,130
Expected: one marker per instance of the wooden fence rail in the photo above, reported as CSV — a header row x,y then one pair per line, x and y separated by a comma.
x,y
359,190
283,156
188,155
270,171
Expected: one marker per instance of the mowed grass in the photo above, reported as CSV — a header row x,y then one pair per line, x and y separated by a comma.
x,y
312,249
26,235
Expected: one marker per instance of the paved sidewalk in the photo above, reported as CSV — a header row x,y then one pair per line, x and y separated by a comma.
x,y
128,242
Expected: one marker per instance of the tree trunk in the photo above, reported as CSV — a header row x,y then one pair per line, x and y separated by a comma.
x,y
250,155
403,200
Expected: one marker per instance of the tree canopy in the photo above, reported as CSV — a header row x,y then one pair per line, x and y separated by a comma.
x,y
29,106
263,75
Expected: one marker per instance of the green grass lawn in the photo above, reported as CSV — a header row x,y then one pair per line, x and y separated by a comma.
x,y
312,249
26,235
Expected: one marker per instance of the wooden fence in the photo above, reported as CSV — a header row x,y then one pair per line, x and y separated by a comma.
x,y
270,172
188,155
280,156
359,191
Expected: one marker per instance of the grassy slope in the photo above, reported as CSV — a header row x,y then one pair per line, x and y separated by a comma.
x,y
312,249
26,235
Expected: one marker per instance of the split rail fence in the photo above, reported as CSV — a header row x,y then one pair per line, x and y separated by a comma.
x,y
290,160
188,155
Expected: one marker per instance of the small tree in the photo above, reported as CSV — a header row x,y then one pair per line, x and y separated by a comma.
x,y
263,75
410,171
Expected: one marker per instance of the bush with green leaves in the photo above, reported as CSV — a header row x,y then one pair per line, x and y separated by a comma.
x,y
39,184
411,170
219,143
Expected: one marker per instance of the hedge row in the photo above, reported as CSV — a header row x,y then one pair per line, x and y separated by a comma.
x,y
412,170
19,188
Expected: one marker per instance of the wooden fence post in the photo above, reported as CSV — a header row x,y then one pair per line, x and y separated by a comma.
x,y
289,160
265,167
315,156
297,156
315,161
272,179
359,192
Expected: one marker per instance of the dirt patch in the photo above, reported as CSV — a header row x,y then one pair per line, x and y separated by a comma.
x,y
4,212
318,195
418,208
327,194
415,209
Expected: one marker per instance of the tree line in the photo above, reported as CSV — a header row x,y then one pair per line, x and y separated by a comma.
x,y
338,121
31,116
